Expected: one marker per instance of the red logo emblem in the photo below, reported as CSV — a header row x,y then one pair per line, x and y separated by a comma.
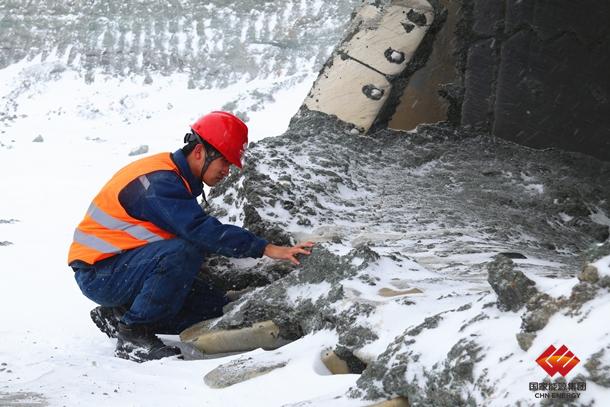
x,y
554,360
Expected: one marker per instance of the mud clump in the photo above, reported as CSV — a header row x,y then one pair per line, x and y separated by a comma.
x,y
299,315
429,323
254,223
360,195
354,364
387,376
417,18
228,276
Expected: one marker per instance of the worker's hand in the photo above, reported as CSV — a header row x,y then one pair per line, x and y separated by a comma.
x,y
288,253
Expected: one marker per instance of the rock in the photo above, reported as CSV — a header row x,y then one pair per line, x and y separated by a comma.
x,y
238,371
589,274
143,149
38,139
513,288
525,339
539,309
261,335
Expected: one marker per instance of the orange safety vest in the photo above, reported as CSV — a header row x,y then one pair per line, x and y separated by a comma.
x,y
107,228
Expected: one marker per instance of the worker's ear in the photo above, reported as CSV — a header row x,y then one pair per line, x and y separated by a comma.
x,y
199,151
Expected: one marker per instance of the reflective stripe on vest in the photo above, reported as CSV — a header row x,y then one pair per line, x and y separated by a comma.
x,y
109,222
94,242
107,228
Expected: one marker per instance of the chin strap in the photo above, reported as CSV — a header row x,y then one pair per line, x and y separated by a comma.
x,y
205,201
211,154
206,164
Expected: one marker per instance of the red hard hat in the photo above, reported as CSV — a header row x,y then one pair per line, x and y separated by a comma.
x,y
226,133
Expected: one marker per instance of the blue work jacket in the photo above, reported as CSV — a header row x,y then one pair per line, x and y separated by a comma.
x,y
167,203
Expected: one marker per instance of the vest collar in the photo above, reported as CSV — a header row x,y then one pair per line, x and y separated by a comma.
x,y
185,170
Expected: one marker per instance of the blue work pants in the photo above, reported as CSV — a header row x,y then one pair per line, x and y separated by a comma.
x,y
157,283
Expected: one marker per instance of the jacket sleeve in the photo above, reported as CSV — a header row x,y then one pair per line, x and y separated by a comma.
x,y
168,204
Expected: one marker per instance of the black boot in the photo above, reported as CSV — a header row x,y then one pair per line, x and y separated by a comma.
x,y
139,344
107,319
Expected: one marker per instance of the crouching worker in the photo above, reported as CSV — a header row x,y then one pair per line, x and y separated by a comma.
x,y
144,237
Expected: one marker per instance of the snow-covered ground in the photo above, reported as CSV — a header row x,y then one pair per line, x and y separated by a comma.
x,y
62,135
49,349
